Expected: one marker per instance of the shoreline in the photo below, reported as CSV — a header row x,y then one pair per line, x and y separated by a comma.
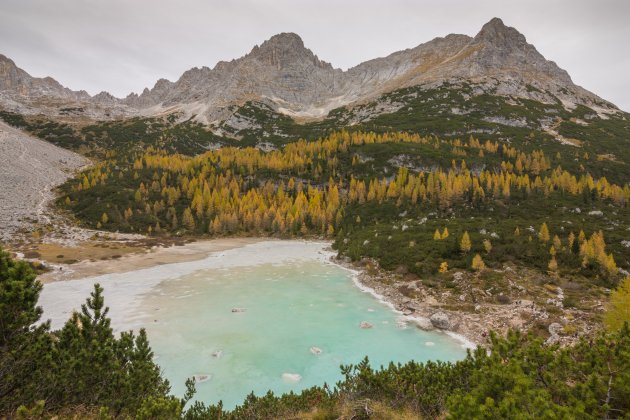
x,y
189,254
124,286
151,257
369,283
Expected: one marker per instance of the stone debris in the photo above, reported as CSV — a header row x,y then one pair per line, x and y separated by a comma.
x,y
29,170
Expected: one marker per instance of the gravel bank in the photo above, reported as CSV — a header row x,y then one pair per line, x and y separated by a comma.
x,y
29,169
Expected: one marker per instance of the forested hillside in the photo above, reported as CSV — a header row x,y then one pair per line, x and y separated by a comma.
x,y
336,187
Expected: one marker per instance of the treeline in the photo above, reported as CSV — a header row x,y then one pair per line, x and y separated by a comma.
x,y
83,370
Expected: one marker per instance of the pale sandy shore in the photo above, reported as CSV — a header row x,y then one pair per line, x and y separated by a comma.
x,y
127,279
150,258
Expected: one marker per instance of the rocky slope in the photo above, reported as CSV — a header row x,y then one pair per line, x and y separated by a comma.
x,y
29,169
283,74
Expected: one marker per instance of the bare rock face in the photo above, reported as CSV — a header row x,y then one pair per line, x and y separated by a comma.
x,y
14,79
24,94
290,78
281,70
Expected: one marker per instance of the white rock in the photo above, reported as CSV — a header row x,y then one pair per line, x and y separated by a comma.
x,y
201,377
291,377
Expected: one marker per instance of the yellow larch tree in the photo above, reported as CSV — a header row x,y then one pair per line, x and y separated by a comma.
x,y
618,309
543,233
465,243
477,263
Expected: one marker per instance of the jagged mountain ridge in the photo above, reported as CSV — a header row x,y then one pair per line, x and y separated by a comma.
x,y
288,77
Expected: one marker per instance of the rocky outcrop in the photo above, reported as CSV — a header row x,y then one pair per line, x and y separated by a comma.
x,y
14,79
24,94
555,329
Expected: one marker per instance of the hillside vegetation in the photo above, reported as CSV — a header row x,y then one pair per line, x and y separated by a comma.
x,y
334,187
585,140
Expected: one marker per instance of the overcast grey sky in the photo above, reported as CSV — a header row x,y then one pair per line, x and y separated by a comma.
x,y
125,45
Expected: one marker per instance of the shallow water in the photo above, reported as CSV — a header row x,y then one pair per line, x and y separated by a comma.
x,y
286,310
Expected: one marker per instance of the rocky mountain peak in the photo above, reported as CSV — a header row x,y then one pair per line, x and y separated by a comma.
x,y
284,40
497,33
5,60
290,78
283,50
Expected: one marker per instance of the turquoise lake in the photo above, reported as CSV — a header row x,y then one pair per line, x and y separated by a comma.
x,y
285,313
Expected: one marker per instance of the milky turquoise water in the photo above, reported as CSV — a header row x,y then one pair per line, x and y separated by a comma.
x,y
289,308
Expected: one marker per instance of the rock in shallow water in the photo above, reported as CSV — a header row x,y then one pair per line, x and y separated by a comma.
x,y
291,377
201,377
423,323
365,325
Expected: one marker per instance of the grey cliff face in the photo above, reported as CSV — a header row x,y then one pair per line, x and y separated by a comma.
x,y
290,78
22,93
15,80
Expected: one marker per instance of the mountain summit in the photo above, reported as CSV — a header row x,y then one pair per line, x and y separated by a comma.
x,y
284,50
291,79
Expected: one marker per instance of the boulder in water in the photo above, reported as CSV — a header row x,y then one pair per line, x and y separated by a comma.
x,y
316,350
365,325
423,323
440,320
